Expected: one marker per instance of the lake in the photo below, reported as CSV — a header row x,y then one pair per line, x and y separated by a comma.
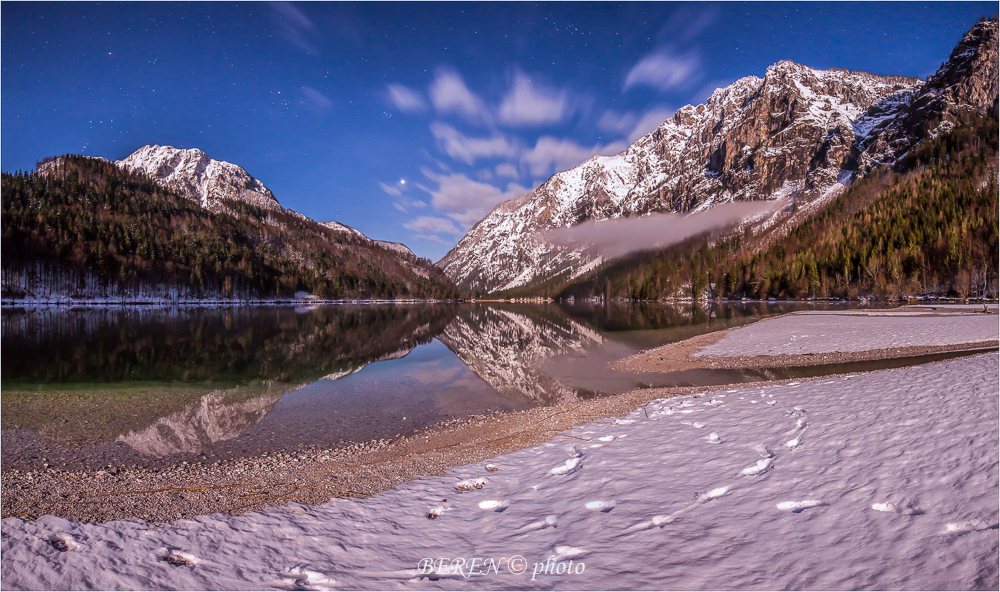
x,y
91,387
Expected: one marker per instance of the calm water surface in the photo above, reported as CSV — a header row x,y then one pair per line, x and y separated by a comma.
x,y
93,387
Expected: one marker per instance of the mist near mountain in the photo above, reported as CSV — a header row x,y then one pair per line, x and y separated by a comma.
x,y
617,237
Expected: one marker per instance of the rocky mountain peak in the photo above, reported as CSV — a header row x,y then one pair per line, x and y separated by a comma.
x,y
345,229
968,80
970,74
202,179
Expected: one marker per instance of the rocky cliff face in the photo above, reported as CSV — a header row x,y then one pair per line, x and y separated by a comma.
x,y
796,134
967,81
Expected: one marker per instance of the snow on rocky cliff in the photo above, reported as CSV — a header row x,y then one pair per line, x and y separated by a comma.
x,y
793,134
967,81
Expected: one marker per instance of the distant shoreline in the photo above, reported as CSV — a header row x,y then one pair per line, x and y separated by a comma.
x,y
207,303
13,304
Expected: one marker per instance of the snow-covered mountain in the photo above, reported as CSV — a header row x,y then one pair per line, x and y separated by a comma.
x,y
967,81
208,181
797,134
193,174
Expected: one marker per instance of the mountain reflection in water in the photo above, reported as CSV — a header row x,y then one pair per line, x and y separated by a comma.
x,y
506,347
130,385
213,418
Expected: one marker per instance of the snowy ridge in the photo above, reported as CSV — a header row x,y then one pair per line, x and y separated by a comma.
x,y
344,228
200,178
399,248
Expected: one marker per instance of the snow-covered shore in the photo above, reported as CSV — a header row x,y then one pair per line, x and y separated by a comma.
x,y
880,481
855,331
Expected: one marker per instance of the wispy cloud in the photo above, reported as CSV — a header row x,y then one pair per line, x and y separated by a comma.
x,y
295,27
552,153
432,238
405,98
393,191
687,22
466,201
449,94
633,125
427,225
403,203
614,238
506,169
676,61
664,70
316,98
467,149
615,122
529,104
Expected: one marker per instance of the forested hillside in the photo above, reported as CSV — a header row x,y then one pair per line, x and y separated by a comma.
x,y
91,219
929,229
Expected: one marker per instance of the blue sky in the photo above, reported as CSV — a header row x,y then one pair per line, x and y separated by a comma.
x,y
410,121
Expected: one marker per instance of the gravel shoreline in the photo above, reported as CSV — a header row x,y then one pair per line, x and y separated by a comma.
x,y
310,476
